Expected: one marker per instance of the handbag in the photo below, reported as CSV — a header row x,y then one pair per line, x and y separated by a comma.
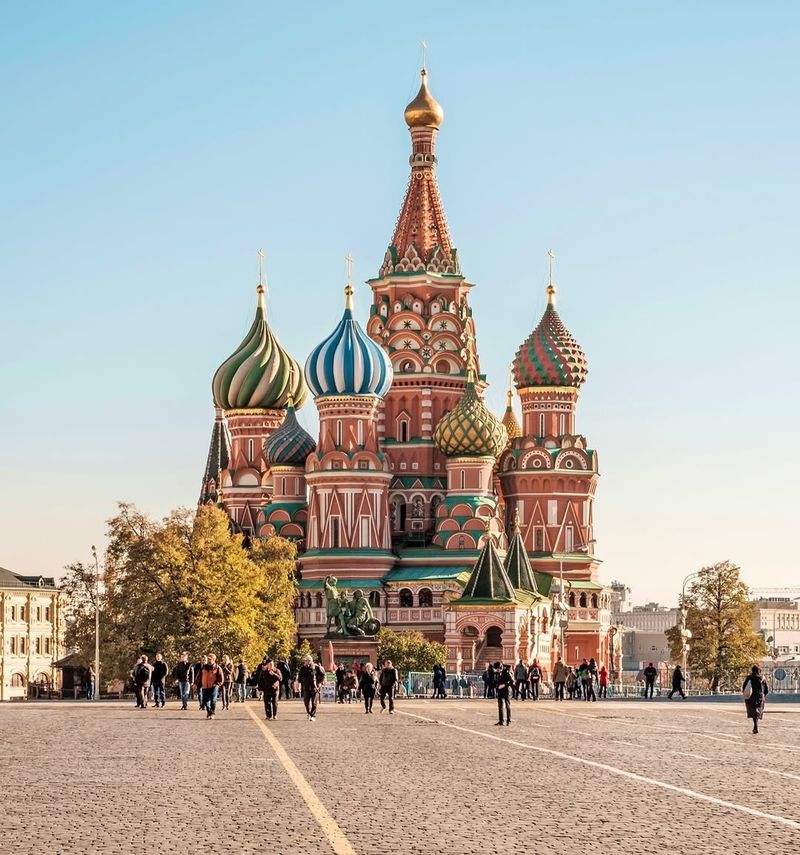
x,y
747,691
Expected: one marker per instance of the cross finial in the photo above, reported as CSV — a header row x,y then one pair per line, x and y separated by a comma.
x,y
348,288
510,392
424,56
551,289
472,362
261,287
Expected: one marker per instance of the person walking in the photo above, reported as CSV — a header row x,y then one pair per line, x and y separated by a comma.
x,y
311,676
91,681
520,681
339,674
210,680
602,682
570,683
198,669
367,682
503,688
755,691
269,684
142,681
183,674
242,675
589,677
488,681
650,675
559,678
389,678
534,679
227,680
286,677
157,678
677,682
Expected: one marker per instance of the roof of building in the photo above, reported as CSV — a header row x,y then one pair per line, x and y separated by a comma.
x,y
550,356
14,580
488,579
470,428
259,374
219,456
517,563
291,444
350,584
428,574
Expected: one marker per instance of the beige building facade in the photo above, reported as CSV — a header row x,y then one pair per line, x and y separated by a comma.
x,y
31,634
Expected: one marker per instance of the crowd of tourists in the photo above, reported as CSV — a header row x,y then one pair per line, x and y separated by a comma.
x,y
216,684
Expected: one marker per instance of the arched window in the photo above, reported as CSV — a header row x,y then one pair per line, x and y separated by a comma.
x,y
17,681
582,601
402,433
435,502
425,598
594,601
406,598
374,598
494,637
572,599
544,623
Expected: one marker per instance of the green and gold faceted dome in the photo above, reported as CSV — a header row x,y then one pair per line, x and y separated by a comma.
x,y
470,429
259,374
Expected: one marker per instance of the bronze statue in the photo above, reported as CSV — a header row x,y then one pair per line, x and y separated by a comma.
x,y
354,617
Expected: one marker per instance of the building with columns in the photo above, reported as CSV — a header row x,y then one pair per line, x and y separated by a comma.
x,y
31,633
475,530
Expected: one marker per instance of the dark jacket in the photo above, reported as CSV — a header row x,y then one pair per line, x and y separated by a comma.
x,y
389,678
311,677
269,680
650,674
286,671
242,673
142,673
755,703
677,679
503,683
183,672
367,682
160,671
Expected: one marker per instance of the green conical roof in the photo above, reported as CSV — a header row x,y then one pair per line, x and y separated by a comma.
x,y
518,565
489,580
219,455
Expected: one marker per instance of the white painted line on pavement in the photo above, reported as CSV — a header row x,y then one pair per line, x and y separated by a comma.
x,y
614,770
330,828
696,756
776,772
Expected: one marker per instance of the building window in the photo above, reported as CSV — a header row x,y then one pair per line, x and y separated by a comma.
x,y
541,424
22,612
406,598
365,533
338,432
17,681
250,450
403,433
463,479
318,601
47,613
335,532
594,601
12,645
38,614
363,464
552,511
571,600
582,601
538,539
425,598
569,539
38,646
47,646
22,646
374,598
494,637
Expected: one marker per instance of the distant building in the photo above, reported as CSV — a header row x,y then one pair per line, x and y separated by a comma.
x,y
778,618
31,633
644,638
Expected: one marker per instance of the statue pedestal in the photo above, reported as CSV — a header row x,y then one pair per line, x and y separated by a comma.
x,y
348,649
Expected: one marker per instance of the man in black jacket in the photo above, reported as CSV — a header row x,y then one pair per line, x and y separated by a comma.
x,y
650,675
502,687
311,676
286,677
269,682
388,681
158,676
183,674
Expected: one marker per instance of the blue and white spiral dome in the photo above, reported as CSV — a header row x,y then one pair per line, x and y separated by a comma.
x,y
348,362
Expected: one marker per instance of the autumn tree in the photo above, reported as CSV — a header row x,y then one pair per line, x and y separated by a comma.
x,y
719,614
187,583
410,650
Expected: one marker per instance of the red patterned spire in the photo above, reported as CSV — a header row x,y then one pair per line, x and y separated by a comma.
x,y
421,240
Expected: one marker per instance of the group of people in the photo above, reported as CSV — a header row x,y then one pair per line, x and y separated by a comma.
x,y
363,681
578,683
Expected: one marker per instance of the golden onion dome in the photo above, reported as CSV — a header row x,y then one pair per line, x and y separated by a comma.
x,y
509,420
424,111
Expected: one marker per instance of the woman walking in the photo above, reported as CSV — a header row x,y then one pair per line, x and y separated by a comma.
x,y
227,685
755,691
367,684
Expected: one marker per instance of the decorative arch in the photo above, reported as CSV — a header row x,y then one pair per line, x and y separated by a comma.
x,y
425,598
536,458
406,598
571,459
494,636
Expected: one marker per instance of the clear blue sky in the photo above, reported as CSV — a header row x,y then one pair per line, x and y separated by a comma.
x,y
150,149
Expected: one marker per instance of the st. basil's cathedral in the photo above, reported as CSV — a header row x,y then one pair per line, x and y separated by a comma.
x,y
476,531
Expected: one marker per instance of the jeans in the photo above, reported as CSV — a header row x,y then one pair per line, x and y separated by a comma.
x,y
227,691
271,703
648,688
387,692
502,701
588,691
208,698
241,692
603,691
535,690
310,697
159,695
520,689
676,689
559,690
185,689
90,692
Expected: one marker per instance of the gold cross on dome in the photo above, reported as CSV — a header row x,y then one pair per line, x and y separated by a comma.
x,y
261,267
550,258
348,260
424,55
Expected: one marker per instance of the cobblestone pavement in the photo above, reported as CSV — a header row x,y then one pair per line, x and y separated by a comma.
x,y
437,777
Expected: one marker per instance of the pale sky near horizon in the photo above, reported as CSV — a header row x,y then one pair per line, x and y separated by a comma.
x,y
150,149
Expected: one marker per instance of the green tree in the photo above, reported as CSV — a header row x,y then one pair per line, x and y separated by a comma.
x,y
724,644
410,650
187,583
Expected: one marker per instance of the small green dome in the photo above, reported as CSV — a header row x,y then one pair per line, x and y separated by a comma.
x,y
470,428
259,373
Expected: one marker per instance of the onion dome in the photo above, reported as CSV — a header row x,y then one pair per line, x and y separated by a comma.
x,y
290,444
550,356
424,111
470,428
348,362
259,374
509,420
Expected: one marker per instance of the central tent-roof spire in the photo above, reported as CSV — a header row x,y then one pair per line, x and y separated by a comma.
x,y
421,241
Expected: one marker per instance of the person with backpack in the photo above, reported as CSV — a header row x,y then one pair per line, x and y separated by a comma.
x,y
210,680
755,691
157,677
503,687
589,677
677,683
534,679
311,676
242,675
389,678
183,674
571,681
269,684
141,678
367,682
520,681
488,681
198,668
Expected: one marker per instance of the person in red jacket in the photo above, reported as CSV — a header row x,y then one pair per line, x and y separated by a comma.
x,y
602,679
209,681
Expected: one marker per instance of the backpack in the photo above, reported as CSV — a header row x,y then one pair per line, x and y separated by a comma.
x,y
747,691
142,674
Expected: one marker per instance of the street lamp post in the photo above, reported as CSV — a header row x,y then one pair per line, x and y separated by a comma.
x,y
96,624
686,633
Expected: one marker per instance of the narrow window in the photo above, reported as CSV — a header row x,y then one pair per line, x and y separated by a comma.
x,y
561,423
541,424
404,431
47,613
360,431
569,539
552,512
365,538
538,540
335,532
338,432
463,479
47,646
250,450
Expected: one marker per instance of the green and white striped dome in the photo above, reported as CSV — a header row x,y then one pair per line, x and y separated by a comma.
x,y
259,373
